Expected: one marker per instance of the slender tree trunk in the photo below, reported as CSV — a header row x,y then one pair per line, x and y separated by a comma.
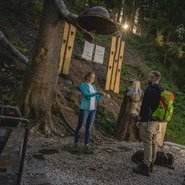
x,y
165,56
41,78
167,39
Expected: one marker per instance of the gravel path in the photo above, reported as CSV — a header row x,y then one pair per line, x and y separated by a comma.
x,y
109,165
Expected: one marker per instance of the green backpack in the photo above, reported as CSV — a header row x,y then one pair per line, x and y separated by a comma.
x,y
165,109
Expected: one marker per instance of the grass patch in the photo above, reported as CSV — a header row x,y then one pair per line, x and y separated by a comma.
x,y
176,128
105,121
37,7
23,49
72,101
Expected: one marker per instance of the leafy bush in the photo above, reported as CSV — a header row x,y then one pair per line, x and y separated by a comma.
x,y
105,121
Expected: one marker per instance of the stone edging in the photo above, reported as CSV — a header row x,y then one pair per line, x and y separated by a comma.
x,y
175,148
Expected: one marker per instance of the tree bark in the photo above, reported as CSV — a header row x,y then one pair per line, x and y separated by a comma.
x,y
126,124
120,128
41,78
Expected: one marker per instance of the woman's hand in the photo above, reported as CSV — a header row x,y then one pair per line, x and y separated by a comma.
x,y
104,94
101,93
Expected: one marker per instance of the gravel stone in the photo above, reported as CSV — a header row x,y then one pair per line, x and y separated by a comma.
x,y
109,165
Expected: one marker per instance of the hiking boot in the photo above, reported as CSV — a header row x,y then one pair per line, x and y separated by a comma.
x,y
88,149
151,167
142,169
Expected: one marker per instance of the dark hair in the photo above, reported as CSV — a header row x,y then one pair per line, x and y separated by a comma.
x,y
157,74
89,74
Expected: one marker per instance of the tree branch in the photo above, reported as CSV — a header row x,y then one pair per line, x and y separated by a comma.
x,y
72,19
9,46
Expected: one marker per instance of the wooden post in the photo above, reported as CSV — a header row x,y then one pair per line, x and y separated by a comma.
x,y
118,75
115,66
69,49
63,46
110,64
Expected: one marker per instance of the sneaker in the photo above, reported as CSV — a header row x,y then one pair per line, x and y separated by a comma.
x,y
142,169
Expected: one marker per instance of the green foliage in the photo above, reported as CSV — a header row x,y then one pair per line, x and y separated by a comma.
x,y
153,58
176,128
23,49
105,121
132,72
166,19
72,101
37,7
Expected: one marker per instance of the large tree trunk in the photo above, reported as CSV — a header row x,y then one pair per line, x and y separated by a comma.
x,y
125,128
41,78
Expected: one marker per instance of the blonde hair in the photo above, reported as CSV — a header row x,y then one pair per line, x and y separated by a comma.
x,y
135,91
136,85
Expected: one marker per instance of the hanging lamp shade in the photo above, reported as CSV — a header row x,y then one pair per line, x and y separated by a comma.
x,y
97,19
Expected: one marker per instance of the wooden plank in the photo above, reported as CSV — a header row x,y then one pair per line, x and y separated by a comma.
x,y
63,46
110,63
118,75
10,159
115,66
69,49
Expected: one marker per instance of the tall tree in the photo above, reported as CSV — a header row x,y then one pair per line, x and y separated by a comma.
x,y
40,83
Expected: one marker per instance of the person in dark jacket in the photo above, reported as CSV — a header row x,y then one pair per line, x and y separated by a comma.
x,y
149,127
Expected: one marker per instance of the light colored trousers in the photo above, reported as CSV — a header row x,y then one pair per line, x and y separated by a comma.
x,y
148,132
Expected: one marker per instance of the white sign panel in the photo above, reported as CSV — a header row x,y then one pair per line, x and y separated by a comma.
x,y
99,54
88,51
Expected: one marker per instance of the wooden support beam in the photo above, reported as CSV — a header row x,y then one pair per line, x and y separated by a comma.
x,y
63,47
69,49
115,66
110,63
118,75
